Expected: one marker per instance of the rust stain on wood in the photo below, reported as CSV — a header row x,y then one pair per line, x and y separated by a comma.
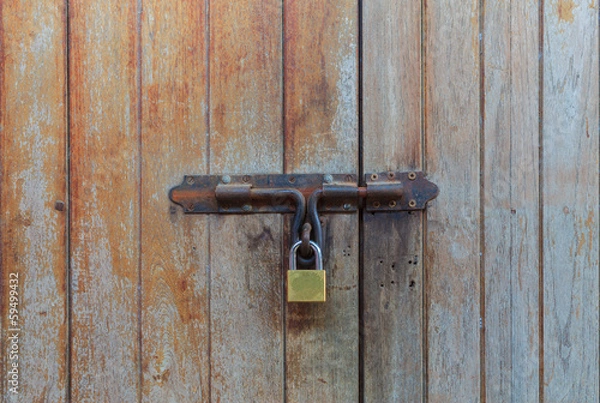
x,y
32,177
175,290
105,195
565,10
393,312
245,137
321,135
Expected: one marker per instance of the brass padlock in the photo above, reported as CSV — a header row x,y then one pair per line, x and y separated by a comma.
x,y
306,285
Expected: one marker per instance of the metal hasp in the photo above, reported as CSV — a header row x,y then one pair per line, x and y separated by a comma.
x,y
279,193
326,193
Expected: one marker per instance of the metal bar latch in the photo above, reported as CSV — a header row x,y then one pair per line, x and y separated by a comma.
x,y
339,193
288,193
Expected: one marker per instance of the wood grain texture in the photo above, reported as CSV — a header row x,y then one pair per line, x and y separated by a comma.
x,y
570,200
321,136
175,321
511,201
393,296
105,201
393,280
245,251
32,180
452,142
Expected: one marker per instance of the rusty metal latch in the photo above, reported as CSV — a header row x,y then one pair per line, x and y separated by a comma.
x,y
247,194
288,193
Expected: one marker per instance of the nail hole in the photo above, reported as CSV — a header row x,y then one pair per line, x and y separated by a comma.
x,y
412,284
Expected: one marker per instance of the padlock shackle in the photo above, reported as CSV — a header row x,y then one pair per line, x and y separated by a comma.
x,y
315,248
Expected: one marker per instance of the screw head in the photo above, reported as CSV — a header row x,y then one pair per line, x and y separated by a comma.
x,y
376,204
392,203
412,176
412,203
226,179
247,207
347,206
374,177
189,180
328,178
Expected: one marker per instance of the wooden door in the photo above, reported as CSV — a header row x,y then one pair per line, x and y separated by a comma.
x,y
111,294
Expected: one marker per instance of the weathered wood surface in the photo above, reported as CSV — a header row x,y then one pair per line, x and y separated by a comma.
x,y
493,295
32,180
174,247
392,279
511,201
452,160
321,136
246,311
105,186
570,213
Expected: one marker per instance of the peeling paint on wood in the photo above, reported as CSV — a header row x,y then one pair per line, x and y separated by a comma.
x,y
452,139
321,136
175,296
570,201
497,300
105,209
393,281
246,321
511,201
32,166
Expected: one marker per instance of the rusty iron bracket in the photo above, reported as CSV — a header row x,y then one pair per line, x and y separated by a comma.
x,y
336,193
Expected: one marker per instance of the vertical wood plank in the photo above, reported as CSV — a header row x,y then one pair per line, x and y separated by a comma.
x,y
321,136
392,250
452,142
245,251
175,324
511,201
105,201
570,199
32,181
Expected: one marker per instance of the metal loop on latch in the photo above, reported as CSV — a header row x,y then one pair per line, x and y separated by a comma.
x,y
299,201
313,216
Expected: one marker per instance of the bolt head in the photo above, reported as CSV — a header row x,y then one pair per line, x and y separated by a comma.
x,y
226,179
